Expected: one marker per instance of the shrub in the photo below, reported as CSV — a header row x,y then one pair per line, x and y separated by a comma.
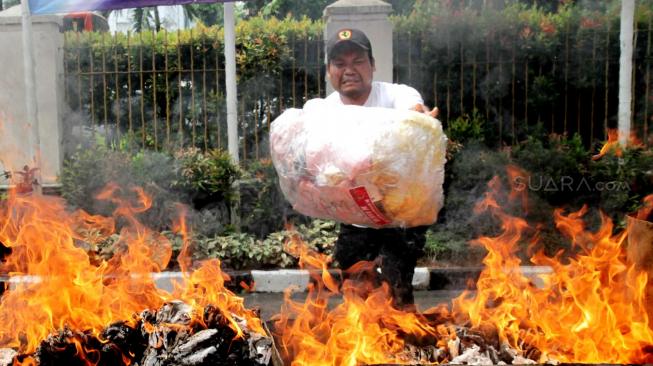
x,y
207,176
243,250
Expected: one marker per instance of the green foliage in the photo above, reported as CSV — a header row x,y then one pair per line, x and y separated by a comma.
x,y
264,209
241,250
551,163
210,173
625,181
466,128
208,14
89,170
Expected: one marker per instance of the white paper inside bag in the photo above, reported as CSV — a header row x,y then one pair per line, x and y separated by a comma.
x,y
375,167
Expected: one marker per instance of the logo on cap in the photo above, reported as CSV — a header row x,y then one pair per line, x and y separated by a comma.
x,y
344,35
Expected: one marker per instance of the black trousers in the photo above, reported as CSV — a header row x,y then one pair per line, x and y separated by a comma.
x,y
395,251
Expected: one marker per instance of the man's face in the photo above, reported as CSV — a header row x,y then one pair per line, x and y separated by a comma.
x,y
350,72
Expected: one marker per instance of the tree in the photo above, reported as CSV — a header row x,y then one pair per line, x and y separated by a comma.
x,y
281,8
208,14
150,18
6,4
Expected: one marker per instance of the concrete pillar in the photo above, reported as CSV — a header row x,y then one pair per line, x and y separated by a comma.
x,y
48,59
370,16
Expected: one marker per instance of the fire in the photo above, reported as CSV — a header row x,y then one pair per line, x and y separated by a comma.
x,y
589,309
363,329
612,143
646,211
54,283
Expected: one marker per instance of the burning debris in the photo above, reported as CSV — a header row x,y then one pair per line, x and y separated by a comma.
x,y
78,311
591,308
170,336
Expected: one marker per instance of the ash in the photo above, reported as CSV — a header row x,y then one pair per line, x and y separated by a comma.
x,y
473,347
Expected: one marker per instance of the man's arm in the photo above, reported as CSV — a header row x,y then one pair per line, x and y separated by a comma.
x,y
407,97
424,109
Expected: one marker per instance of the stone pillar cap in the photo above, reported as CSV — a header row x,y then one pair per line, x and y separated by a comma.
x,y
361,6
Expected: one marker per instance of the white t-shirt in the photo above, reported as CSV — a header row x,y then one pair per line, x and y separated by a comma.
x,y
386,95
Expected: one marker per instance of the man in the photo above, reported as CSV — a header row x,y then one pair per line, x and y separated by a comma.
x,y
350,68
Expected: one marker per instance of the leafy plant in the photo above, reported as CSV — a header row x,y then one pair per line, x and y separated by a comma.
x,y
467,127
243,250
209,175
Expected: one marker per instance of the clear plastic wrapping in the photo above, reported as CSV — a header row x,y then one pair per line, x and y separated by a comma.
x,y
373,167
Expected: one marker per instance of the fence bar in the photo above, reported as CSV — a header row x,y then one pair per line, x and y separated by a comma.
x,y
647,79
79,72
607,80
305,76
410,58
104,83
179,92
117,85
632,77
243,126
474,66
500,116
165,62
592,102
487,74
566,75
578,95
129,84
206,118
281,91
216,48
256,116
435,89
294,95
462,80
526,77
513,92
92,82
319,69
269,113
448,74
140,73
192,90
553,114
154,104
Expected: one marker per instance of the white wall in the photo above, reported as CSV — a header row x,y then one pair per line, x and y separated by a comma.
x,y
14,132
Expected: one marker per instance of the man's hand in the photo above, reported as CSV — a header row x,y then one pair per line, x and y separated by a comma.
x,y
423,109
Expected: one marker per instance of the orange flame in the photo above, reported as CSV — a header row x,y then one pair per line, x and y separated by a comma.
x,y
612,143
646,211
364,329
589,310
55,284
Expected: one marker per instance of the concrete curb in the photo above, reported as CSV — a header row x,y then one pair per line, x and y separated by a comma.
x,y
277,281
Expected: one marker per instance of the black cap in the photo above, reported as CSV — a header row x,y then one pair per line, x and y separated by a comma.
x,y
351,36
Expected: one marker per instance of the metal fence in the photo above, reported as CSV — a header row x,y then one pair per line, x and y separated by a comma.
x,y
168,97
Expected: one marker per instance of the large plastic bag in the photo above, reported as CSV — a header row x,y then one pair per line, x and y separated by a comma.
x,y
375,167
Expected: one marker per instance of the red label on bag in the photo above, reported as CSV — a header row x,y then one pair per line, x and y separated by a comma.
x,y
363,200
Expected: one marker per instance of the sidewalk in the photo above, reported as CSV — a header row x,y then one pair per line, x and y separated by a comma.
x,y
276,281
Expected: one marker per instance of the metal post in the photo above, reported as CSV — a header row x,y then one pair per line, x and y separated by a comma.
x,y
626,70
230,79
31,107
232,104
